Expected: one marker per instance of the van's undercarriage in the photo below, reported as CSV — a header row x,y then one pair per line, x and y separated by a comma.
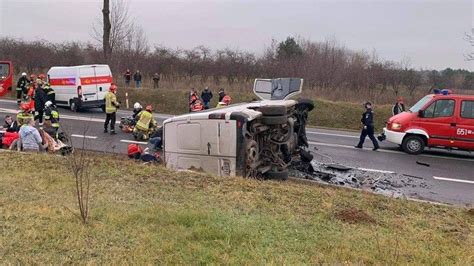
x,y
275,138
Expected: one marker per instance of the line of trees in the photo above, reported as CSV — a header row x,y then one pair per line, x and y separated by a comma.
x,y
322,64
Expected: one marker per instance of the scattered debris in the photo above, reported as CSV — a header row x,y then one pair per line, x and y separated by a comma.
x,y
338,167
422,163
354,216
385,183
414,176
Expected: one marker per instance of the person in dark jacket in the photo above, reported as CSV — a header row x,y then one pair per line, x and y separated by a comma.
x,y
21,87
138,79
367,121
206,96
399,107
221,94
11,125
127,76
40,100
156,80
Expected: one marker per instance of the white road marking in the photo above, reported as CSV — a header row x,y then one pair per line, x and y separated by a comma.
x,y
389,151
133,141
83,136
329,134
453,180
376,170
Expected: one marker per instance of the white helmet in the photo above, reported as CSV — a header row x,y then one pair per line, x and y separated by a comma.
x,y
137,106
23,74
48,104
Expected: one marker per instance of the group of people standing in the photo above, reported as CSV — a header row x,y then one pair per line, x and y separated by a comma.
x,y
137,78
197,103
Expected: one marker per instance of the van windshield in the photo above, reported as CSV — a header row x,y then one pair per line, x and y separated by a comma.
x,y
415,108
4,70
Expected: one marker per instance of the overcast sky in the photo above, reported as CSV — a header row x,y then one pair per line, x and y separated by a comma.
x,y
429,33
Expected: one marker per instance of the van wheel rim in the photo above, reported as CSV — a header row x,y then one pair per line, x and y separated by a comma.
x,y
414,145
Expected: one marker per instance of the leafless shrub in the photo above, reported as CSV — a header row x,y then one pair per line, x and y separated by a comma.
x,y
79,164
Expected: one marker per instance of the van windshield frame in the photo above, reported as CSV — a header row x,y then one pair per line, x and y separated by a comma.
x,y
421,103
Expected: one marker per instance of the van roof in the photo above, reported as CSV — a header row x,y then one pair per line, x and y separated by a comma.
x,y
81,66
246,108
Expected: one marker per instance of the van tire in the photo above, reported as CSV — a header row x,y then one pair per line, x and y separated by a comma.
x,y
274,120
277,175
273,110
73,106
413,144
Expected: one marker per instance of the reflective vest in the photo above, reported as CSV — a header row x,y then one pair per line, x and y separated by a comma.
x,y
21,118
52,115
47,89
110,103
144,122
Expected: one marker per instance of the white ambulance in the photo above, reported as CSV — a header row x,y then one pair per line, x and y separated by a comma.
x,y
80,87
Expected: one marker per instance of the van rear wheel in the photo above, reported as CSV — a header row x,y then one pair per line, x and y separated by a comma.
x,y
413,144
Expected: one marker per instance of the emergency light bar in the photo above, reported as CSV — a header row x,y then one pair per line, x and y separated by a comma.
x,y
443,91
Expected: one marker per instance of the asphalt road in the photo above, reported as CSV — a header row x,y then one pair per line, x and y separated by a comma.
x,y
449,176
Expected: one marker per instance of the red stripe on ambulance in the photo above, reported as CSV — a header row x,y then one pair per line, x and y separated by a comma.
x,y
96,80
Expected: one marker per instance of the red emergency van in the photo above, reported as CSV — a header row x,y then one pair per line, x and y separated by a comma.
x,y
441,120
6,77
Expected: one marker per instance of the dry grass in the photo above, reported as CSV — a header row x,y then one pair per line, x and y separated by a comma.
x,y
142,214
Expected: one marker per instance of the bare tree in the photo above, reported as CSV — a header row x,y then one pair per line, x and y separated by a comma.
x,y
469,37
115,28
106,32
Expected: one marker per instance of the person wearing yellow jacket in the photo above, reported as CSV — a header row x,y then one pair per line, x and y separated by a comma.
x,y
111,106
145,123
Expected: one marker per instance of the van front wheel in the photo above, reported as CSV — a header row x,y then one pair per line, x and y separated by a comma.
x,y
73,106
413,144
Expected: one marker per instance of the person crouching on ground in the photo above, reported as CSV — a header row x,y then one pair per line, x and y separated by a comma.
x,y
367,121
30,137
11,125
145,123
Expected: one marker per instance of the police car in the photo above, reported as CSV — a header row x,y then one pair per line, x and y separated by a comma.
x,y
442,120
256,139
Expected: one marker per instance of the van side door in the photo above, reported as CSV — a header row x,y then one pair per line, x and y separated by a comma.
x,y
439,121
465,125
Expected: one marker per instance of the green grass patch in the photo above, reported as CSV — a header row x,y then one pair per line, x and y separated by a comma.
x,y
144,214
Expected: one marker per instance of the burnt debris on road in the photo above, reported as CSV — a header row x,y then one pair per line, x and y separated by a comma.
x,y
385,183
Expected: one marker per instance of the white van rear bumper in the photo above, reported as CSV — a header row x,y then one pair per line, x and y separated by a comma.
x,y
393,136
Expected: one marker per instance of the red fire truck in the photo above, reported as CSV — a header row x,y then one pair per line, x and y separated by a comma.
x,y
442,120
6,77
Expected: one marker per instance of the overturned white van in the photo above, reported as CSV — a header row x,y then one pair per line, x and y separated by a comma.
x,y
257,139
80,87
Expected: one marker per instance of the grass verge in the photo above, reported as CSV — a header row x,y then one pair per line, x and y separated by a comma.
x,y
142,214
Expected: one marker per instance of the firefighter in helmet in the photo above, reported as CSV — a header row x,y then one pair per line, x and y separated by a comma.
x,y
145,124
51,117
226,100
111,106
